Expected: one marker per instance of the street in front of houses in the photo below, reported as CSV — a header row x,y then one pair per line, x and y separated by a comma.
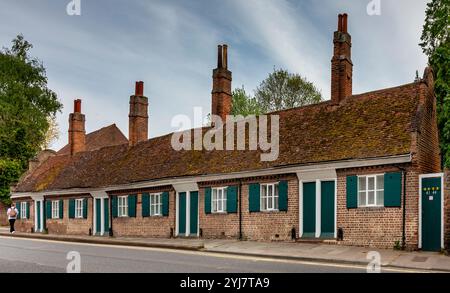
x,y
22,255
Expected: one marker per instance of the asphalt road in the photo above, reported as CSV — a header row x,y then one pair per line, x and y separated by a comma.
x,y
33,256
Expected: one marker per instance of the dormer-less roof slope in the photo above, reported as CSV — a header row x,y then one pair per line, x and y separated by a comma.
x,y
370,125
106,136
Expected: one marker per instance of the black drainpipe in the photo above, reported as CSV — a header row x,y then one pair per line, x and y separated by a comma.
x,y
404,208
240,210
111,234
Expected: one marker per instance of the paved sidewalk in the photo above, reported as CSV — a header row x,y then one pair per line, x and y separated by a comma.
x,y
283,250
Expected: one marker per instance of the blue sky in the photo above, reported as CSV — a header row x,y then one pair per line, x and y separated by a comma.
x,y
172,45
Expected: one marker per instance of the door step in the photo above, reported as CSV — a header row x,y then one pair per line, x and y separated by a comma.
x,y
317,241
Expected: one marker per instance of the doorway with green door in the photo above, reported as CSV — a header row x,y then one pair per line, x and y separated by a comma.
x,y
431,213
187,214
317,213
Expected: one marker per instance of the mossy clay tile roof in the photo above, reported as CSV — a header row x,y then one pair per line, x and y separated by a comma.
x,y
370,125
106,136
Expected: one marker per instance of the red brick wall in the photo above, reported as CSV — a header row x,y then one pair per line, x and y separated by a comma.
x,y
149,226
26,225
271,225
378,227
426,151
218,225
255,226
71,226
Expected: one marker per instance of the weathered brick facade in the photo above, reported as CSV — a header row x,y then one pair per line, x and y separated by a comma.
x,y
26,225
69,226
154,226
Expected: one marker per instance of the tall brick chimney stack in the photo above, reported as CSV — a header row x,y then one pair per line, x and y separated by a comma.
x,y
341,64
77,132
221,93
138,117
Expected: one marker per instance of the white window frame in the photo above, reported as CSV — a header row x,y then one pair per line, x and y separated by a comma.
x,y
155,201
79,208
55,209
122,206
269,202
367,190
23,210
219,200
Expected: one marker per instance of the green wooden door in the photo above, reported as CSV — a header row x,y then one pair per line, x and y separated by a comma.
x,y
193,213
98,216
38,216
309,210
431,214
106,214
182,214
327,209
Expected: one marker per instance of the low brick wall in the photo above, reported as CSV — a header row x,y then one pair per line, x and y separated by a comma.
x,y
3,216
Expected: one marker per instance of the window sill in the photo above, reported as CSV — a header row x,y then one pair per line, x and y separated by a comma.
x,y
219,213
371,207
270,211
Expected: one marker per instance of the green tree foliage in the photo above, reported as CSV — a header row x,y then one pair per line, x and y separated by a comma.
x,y
279,91
26,107
244,104
436,44
284,90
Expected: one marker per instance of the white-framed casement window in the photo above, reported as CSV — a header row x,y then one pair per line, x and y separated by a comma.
x,y
219,200
269,197
79,208
23,210
371,191
55,209
155,204
122,205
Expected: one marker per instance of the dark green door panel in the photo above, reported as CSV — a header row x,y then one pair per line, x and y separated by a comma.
x,y
182,214
38,218
98,215
309,209
327,209
106,208
193,212
431,214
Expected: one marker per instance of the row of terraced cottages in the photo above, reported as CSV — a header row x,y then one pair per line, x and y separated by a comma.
x,y
357,169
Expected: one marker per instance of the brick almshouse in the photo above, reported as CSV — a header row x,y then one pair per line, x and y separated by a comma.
x,y
352,169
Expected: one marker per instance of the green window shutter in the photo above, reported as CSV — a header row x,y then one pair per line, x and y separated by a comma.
x,y
393,189
71,208
18,206
61,209
208,200
48,209
132,206
165,204
145,205
28,210
85,208
352,192
283,196
232,195
114,211
254,200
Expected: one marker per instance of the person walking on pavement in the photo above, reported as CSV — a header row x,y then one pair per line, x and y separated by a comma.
x,y
12,216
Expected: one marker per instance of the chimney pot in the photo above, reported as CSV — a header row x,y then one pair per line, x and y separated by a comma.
x,y
344,22
225,56
77,106
139,89
219,57
340,23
